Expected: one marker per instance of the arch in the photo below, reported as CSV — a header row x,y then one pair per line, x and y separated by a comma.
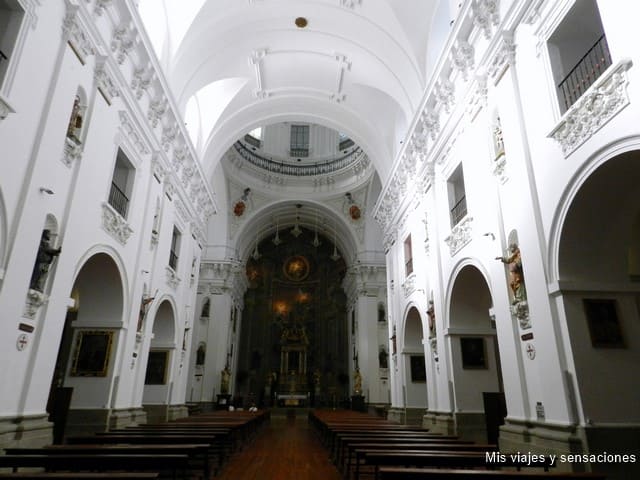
x,y
569,193
115,256
261,224
415,376
462,264
596,270
475,360
3,235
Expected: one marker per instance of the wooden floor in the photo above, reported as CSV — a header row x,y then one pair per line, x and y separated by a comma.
x,y
286,449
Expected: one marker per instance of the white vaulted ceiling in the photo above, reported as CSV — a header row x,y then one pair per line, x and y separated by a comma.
x,y
359,66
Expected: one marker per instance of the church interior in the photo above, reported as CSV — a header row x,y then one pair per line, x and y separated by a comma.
x,y
422,212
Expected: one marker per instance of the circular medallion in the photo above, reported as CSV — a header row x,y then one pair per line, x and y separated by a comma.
x,y
22,342
239,208
354,212
296,268
531,351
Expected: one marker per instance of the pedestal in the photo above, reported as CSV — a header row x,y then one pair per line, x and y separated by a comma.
x,y
357,403
222,401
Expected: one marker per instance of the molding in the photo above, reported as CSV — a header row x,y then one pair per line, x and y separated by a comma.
x,y
172,277
598,105
34,301
104,78
133,133
5,108
486,15
76,33
409,285
123,40
460,235
114,224
72,152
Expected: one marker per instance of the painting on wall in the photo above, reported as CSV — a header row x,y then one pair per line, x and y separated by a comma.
x,y
604,325
91,355
418,370
474,353
157,367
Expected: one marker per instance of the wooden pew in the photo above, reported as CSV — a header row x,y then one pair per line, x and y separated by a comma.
x,y
358,451
80,476
171,466
447,459
199,461
398,473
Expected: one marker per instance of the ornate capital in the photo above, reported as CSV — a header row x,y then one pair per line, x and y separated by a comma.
x,y
104,81
462,58
123,41
34,301
75,33
486,15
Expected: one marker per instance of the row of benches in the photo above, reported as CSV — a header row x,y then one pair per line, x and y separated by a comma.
x,y
192,448
360,445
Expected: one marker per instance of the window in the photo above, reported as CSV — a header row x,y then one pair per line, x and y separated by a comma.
x,y
11,15
121,184
578,52
408,257
457,198
175,248
299,141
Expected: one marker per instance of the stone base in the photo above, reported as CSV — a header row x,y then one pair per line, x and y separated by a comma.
x,y
378,409
471,426
396,415
613,439
87,421
174,412
439,422
546,438
120,418
26,431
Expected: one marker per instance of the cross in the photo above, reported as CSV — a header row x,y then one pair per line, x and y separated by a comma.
x,y
22,342
531,351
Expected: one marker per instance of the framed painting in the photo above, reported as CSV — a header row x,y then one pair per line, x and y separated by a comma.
x,y
474,353
91,354
418,370
157,366
603,322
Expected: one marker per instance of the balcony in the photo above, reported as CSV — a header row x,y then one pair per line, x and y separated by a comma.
x,y
459,211
118,200
585,73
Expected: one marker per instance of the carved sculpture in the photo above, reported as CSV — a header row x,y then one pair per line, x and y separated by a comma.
x,y
44,258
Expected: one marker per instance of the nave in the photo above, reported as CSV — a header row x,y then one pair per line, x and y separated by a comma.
x,y
287,448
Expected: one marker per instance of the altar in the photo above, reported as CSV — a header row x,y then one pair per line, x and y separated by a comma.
x,y
292,400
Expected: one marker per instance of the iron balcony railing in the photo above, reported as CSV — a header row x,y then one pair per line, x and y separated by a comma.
x,y
587,70
319,168
118,200
173,260
458,211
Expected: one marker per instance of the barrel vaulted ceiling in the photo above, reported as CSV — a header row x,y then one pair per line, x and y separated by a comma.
x,y
358,66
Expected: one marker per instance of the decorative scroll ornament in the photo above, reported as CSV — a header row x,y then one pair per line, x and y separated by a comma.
x,y
35,300
409,285
602,101
460,236
114,224
104,81
486,15
172,277
72,152
462,58
76,35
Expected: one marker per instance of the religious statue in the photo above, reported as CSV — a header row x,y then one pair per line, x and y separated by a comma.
x,y
516,274
143,311
357,382
383,357
225,379
200,354
44,258
75,122
498,141
431,314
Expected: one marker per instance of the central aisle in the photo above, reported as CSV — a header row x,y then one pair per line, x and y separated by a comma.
x,y
285,449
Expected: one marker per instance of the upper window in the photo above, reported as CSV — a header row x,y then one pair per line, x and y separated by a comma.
x,y
11,15
121,184
408,257
457,197
578,52
299,141
175,248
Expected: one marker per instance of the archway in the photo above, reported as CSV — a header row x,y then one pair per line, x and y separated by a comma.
x,y
83,375
598,277
475,360
415,376
159,372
